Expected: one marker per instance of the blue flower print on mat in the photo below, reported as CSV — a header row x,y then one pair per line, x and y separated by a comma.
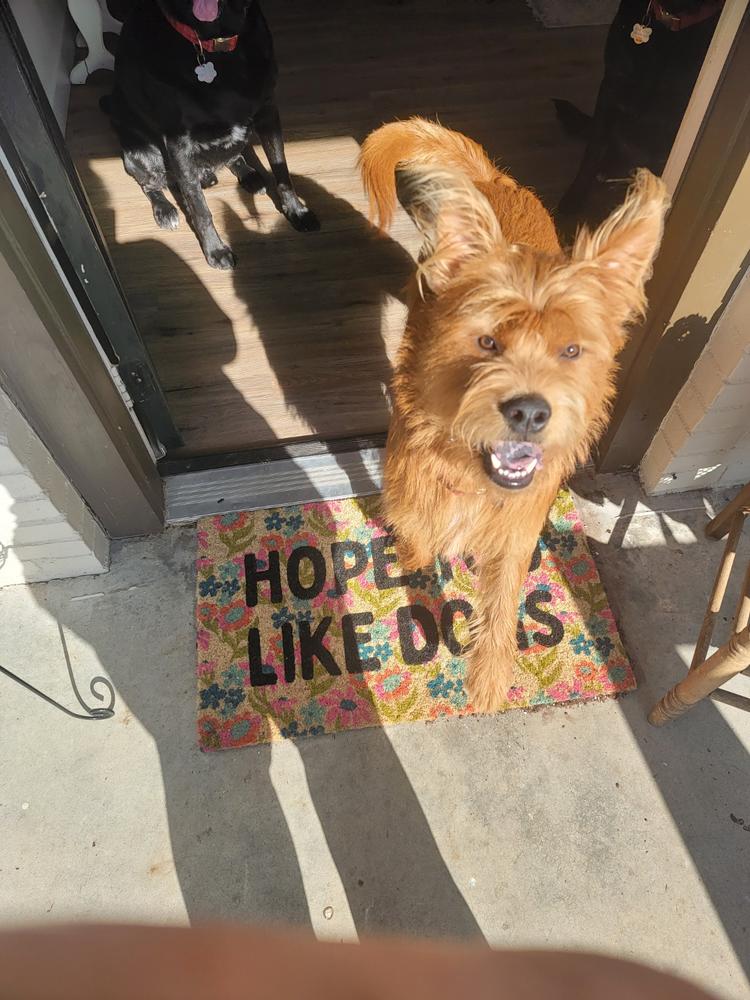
x,y
452,690
604,647
209,587
581,645
617,674
293,523
455,667
568,543
459,697
549,541
228,571
228,589
383,651
362,534
379,632
274,521
234,676
441,687
596,625
212,696
292,731
542,698
228,520
312,714
232,700
279,617
304,616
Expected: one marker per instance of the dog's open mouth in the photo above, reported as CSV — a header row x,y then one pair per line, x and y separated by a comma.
x,y
205,10
512,464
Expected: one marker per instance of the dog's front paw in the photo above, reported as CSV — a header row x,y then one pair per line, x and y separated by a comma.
x,y
489,679
166,216
303,220
221,258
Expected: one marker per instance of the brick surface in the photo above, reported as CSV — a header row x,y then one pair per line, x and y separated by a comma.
x,y
46,530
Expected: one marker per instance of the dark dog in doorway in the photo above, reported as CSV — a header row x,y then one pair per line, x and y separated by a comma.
x,y
649,76
194,80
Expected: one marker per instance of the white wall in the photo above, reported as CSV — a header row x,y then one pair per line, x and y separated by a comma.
x,y
46,530
705,438
49,34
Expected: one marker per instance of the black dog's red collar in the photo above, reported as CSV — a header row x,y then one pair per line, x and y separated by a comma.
x,y
206,44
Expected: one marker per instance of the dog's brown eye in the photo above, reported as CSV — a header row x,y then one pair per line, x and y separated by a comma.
x,y
571,351
487,343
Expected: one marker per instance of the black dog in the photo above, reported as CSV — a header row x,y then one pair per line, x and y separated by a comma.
x,y
643,94
193,80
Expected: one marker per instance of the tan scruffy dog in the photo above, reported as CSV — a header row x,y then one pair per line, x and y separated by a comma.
x,y
506,371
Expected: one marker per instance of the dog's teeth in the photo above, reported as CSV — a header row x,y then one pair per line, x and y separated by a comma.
x,y
495,461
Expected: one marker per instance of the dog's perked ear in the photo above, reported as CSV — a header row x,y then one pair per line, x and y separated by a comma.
x,y
622,249
455,219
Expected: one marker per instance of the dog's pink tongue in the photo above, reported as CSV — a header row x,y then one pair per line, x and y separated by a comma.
x,y
206,10
520,456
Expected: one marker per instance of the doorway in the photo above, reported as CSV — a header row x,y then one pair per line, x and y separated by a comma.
x,y
289,356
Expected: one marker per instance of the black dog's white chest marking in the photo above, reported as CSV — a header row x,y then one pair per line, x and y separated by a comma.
x,y
232,141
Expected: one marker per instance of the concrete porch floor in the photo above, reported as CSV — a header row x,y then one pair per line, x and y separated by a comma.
x,y
579,828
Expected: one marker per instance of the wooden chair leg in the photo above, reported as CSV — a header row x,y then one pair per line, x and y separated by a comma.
x,y
728,661
721,523
717,594
743,608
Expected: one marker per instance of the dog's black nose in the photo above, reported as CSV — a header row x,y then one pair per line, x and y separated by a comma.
x,y
526,414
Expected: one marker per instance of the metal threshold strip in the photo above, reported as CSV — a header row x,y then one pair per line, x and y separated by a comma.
x,y
272,477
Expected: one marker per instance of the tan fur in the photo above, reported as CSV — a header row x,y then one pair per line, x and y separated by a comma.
x,y
491,265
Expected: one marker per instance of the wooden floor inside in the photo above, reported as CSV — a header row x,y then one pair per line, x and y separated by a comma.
x,y
297,342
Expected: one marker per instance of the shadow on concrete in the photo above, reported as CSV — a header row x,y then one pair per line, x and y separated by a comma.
x,y
698,762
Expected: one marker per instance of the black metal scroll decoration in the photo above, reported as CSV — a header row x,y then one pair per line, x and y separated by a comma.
x,y
91,713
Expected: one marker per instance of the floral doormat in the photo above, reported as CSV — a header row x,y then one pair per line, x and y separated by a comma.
x,y
306,626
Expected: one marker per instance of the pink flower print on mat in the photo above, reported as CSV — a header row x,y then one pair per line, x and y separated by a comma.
x,y
581,569
231,522
393,683
347,709
240,729
234,616
586,670
206,612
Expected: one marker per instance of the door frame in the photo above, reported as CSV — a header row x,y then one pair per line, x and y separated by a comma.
x,y
36,159
662,351
52,369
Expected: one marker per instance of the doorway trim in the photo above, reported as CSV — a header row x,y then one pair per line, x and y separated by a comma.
x,y
52,369
662,351
277,477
